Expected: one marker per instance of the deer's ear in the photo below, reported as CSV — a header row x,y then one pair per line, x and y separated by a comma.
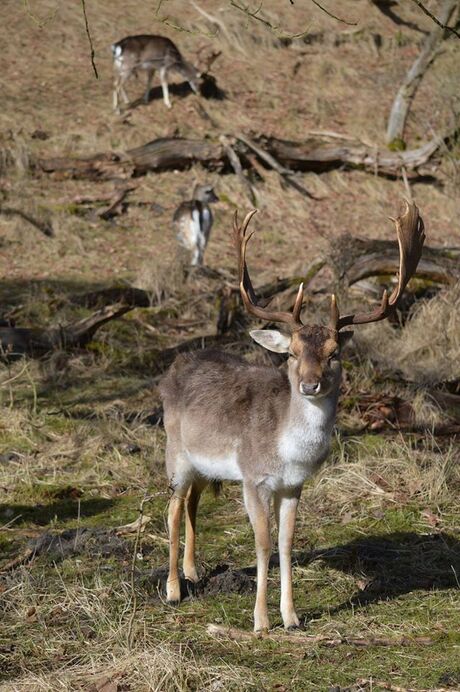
x,y
271,339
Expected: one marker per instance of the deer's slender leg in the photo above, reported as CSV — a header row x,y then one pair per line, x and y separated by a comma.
x,y
149,84
164,86
176,506
258,508
191,507
116,84
124,95
285,511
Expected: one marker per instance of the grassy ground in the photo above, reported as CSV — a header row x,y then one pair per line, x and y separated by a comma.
x,y
378,542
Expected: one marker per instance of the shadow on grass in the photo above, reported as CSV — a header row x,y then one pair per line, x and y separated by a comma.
x,y
385,6
59,509
392,565
209,90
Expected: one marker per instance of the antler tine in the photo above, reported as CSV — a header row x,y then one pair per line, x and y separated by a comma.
x,y
334,318
251,303
410,230
241,240
411,236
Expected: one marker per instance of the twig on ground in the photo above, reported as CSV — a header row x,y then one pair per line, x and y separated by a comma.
x,y
19,560
45,228
140,524
379,684
221,631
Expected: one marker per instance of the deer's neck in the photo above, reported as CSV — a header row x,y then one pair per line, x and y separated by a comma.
x,y
310,416
305,433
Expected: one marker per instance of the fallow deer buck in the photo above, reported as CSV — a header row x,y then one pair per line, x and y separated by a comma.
x,y
226,419
147,53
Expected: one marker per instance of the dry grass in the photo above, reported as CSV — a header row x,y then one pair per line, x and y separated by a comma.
x,y
427,349
395,472
73,613
77,449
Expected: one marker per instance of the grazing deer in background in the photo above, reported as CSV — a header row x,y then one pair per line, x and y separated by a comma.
x,y
193,222
226,419
148,53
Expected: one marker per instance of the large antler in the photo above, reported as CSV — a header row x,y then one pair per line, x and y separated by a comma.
x,y
251,303
410,232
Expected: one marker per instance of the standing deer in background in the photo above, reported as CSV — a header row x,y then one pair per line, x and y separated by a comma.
x,y
193,222
148,53
228,420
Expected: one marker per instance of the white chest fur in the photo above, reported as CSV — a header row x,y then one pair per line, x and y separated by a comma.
x,y
304,441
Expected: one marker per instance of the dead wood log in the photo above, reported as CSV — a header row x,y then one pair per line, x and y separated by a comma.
x,y
319,152
224,632
407,90
20,341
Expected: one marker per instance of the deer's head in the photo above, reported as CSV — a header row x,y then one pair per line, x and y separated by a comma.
x,y
314,351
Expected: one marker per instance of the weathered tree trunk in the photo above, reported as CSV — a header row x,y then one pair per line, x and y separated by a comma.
x,y
406,92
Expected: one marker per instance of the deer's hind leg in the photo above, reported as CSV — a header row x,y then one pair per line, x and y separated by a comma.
x,y
191,507
176,508
150,74
180,476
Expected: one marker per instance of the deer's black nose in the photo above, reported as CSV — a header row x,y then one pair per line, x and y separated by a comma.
x,y
310,388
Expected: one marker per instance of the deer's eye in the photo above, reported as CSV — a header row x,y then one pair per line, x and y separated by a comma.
x,y
333,356
292,355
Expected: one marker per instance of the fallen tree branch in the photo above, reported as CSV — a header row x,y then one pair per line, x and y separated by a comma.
x,y
45,228
26,556
116,201
235,634
20,341
285,173
319,152
238,169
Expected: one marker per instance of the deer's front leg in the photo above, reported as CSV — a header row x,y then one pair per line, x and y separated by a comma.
x,y
176,505
286,503
258,508
148,86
